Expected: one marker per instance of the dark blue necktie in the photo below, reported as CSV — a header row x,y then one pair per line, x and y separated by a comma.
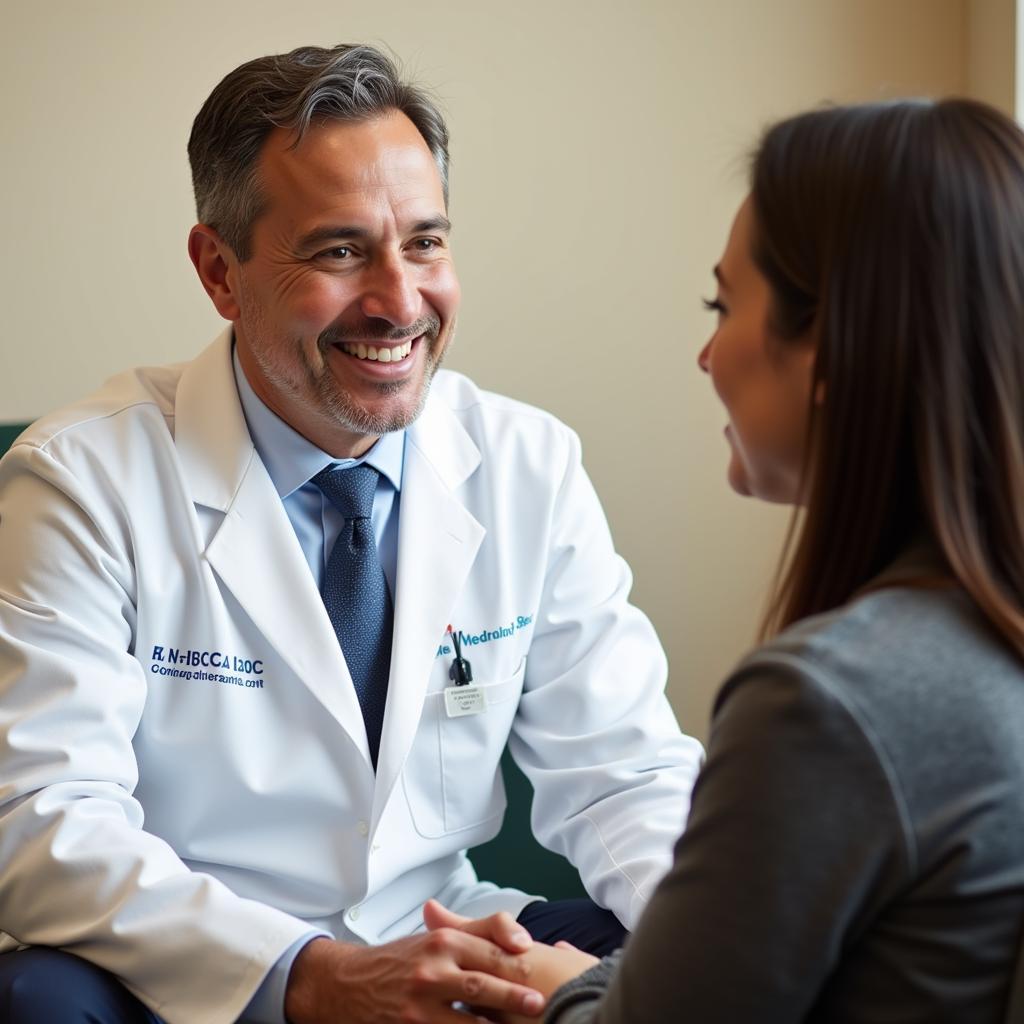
x,y
355,593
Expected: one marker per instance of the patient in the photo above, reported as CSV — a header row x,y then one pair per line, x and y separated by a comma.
x,y
855,850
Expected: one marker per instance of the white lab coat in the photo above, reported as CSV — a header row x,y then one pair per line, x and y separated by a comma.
x,y
181,818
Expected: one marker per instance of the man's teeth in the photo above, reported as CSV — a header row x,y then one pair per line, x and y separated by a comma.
x,y
381,355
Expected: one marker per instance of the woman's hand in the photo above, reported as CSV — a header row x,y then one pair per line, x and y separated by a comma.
x,y
550,967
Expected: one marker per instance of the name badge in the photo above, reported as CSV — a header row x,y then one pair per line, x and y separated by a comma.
x,y
464,700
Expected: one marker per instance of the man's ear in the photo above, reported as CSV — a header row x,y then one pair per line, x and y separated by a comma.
x,y
217,267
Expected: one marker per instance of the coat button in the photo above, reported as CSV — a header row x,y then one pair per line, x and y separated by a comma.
x,y
363,829
354,913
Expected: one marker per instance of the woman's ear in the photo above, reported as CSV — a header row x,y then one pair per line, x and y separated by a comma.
x,y
217,266
805,350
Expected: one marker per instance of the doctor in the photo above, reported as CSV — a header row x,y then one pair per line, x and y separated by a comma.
x,y
268,619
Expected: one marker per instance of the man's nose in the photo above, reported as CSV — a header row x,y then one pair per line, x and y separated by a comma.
x,y
390,292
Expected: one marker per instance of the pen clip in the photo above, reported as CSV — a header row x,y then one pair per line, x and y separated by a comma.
x,y
461,671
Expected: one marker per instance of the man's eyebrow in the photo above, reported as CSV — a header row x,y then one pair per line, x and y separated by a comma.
x,y
338,232
437,223
330,233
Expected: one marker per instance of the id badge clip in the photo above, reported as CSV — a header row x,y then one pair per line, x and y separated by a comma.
x,y
462,698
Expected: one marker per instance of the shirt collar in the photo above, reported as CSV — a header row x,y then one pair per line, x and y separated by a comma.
x,y
291,460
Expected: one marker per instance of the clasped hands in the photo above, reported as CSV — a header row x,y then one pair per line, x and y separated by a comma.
x,y
490,964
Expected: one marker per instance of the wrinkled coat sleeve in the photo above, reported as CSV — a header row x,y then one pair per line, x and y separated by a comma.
x,y
79,870
595,735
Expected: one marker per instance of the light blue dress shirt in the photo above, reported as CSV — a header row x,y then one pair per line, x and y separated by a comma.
x,y
292,462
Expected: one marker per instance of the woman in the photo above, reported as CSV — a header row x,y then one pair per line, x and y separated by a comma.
x,y
855,850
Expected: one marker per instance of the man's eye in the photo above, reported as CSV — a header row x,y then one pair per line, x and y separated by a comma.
x,y
425,244
339,252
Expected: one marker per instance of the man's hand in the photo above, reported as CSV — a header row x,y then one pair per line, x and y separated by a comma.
x,y
410,980
502,928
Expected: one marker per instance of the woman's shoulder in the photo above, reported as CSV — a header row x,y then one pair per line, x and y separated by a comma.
x,y
899,634
915,669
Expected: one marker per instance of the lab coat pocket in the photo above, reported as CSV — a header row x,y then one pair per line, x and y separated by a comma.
x,y
452,779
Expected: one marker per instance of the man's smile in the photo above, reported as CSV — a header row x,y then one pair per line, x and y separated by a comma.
x,y
381,352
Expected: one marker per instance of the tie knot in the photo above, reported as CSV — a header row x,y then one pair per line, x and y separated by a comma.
x,y
350,491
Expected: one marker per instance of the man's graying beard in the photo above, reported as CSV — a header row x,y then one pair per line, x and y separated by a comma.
x,y
379,330
348,413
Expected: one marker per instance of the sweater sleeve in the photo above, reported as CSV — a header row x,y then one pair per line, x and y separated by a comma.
x,y
797,836
576,1001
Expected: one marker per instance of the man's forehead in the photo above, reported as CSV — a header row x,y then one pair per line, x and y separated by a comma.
x,y
351,157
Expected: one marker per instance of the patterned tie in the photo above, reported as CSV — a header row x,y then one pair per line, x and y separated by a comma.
x,y
355,593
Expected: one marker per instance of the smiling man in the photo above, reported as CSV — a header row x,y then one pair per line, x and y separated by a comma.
x,y
268,620
346,300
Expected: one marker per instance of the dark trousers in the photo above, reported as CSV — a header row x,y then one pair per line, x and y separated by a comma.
x,y
581,922
48,986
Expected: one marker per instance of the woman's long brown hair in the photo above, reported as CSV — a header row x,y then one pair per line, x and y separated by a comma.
x,y
893,236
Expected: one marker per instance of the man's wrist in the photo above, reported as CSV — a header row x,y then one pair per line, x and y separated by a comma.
x,y
307,967
267,1003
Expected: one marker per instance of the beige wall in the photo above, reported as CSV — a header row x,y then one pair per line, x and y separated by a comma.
x,y
991,38
598,157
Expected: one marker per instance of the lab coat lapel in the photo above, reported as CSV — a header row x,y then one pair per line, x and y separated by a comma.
x,y
254,551
438,540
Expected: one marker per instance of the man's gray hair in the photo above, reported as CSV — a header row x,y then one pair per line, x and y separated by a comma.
x,y
344,83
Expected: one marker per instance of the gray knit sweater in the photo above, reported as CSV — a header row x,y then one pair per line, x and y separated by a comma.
x,y
855,851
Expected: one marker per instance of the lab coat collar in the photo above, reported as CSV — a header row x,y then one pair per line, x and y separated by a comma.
x,y
210,434
442,441
255,542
